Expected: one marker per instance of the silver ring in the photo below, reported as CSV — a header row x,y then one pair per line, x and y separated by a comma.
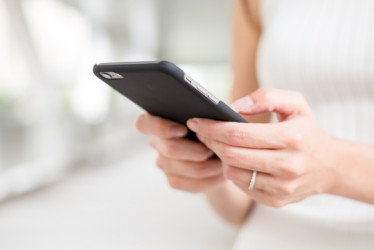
x,y
253,180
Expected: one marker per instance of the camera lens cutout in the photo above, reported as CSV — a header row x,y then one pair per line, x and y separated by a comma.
x,y
105,75
111,75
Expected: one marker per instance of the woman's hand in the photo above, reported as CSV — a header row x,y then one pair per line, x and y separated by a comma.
x,y
188,165
290,156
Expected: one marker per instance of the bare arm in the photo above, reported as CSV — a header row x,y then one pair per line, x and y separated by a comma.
x,y
228,200
352,171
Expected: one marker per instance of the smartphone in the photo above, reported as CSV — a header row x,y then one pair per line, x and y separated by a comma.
x,y
163,89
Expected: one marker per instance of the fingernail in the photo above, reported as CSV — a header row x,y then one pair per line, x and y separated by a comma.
x,y
193,125
242,104
177,131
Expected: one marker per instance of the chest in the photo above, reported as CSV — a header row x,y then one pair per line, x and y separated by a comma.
x,y
318,47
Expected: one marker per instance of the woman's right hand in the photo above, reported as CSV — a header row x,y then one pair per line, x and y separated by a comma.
x,y
188,165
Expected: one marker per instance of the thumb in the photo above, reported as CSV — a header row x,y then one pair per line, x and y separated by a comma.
x,y
283,102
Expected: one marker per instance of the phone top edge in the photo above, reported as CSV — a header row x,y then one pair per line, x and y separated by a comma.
x,y
169,67
129,63
163,65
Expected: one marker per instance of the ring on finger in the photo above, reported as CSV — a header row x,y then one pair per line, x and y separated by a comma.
x,y
253,180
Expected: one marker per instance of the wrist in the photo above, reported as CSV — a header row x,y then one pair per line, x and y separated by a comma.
x,y
331,166
350,170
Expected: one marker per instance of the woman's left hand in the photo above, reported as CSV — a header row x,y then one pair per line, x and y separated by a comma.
x,y
290,156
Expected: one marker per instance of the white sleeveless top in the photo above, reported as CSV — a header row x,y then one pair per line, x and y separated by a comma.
x,y
325,50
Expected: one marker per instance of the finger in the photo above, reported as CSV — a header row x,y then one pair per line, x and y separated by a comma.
x,y
263,197
243,177
181,149
285,103
275,162
195,170
194,185
250,135
273,185
154,125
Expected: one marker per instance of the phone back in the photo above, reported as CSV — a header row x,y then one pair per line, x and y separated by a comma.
x,y
161,88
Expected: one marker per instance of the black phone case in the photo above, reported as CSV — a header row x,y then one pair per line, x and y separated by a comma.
x,y
161,88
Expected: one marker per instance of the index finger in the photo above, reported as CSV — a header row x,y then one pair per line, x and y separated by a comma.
x,y
154,125
249,135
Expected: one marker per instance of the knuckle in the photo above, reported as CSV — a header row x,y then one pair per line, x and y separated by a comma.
x,y
228,154
160,162
236,136
281,162
171,149
266,96
229,172
300,99
296,140
174,182
264,93
203,155
152,142
277,203
288,189
290,165
198,171
295,167
181,184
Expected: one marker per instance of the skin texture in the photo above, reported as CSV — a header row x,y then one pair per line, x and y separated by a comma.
x,y
294,157
290,156
188,165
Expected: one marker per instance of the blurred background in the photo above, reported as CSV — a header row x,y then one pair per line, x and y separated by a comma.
x,y
74,173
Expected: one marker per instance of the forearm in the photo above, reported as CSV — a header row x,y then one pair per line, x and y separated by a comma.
x,y
352,170
230,202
